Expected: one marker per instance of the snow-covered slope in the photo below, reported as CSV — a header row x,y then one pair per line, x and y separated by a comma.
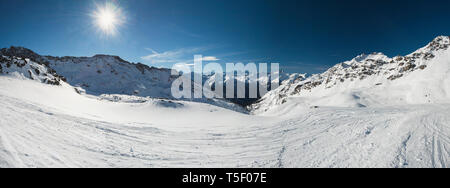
x,y
103,74
56,127
307,122
372,80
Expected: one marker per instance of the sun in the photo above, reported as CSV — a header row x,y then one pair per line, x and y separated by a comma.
x,y
108,18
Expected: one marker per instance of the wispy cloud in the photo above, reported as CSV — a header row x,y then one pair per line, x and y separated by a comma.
x,y
210,58
183,55
172,56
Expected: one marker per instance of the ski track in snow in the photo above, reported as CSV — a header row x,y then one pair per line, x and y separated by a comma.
x,y
33,135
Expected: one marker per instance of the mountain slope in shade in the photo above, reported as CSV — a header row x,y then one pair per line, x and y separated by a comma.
x,y
242,84
372,80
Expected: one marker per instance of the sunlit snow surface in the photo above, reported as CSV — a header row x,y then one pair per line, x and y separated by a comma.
x,y
372,111
53,126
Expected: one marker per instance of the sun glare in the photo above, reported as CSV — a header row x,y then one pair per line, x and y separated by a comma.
x,y
108,18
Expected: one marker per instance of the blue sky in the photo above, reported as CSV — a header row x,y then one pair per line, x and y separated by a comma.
x,y
303,36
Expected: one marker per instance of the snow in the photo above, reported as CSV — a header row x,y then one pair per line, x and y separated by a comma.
x,y
372,80
103,74
371,111
53,126
58,127
24,68
404,136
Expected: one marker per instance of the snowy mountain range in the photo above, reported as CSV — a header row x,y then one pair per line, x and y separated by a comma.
x,y
366,80
98,75
103,74
106,74
373,80
102,111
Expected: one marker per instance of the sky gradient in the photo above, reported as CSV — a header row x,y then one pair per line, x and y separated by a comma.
x,y
303,36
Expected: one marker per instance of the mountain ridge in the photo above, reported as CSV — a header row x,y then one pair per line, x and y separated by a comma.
x,y
105,76
108,74
360,68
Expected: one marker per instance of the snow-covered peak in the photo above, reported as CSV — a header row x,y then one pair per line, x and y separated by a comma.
x,y
373,56
366,71
440,43
97,75
100,74
106,74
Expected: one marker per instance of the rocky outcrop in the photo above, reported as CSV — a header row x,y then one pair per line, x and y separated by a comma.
x,y
21,66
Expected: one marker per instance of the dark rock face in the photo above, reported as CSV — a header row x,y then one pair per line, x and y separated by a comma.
x,y
52,82
394,77
37,71
141,67
408,67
